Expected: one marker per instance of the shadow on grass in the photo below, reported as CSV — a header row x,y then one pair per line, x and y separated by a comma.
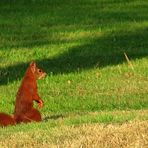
x,y
35,23
25,23
101,52
53,117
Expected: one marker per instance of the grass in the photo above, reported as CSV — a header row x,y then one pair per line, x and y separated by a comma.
x,y
81,45
77,130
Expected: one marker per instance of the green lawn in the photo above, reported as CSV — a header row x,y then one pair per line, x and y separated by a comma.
x,y
81,45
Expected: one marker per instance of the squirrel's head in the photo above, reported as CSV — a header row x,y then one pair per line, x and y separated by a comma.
x,y
38,73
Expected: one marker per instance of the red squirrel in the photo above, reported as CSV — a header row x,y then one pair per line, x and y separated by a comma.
x,y
27,93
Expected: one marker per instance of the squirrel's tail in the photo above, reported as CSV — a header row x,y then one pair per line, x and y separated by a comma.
x,y
6,120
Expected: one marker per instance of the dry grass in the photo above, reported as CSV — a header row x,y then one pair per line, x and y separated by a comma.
x,y
132,134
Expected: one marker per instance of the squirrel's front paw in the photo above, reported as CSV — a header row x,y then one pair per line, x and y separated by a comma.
x,y
40,104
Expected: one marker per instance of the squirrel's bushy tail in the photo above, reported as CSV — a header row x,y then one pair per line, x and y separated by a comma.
x,y
6,120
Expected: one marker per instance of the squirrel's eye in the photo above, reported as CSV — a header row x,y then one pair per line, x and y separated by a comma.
x,y
40,70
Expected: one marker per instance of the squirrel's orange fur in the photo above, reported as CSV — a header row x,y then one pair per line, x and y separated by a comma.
x,y
6,120
27,93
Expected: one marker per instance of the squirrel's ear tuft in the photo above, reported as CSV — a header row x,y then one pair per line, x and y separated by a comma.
x,y
32,63
33,66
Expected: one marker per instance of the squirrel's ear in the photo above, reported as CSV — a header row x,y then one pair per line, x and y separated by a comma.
x,y
33,66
